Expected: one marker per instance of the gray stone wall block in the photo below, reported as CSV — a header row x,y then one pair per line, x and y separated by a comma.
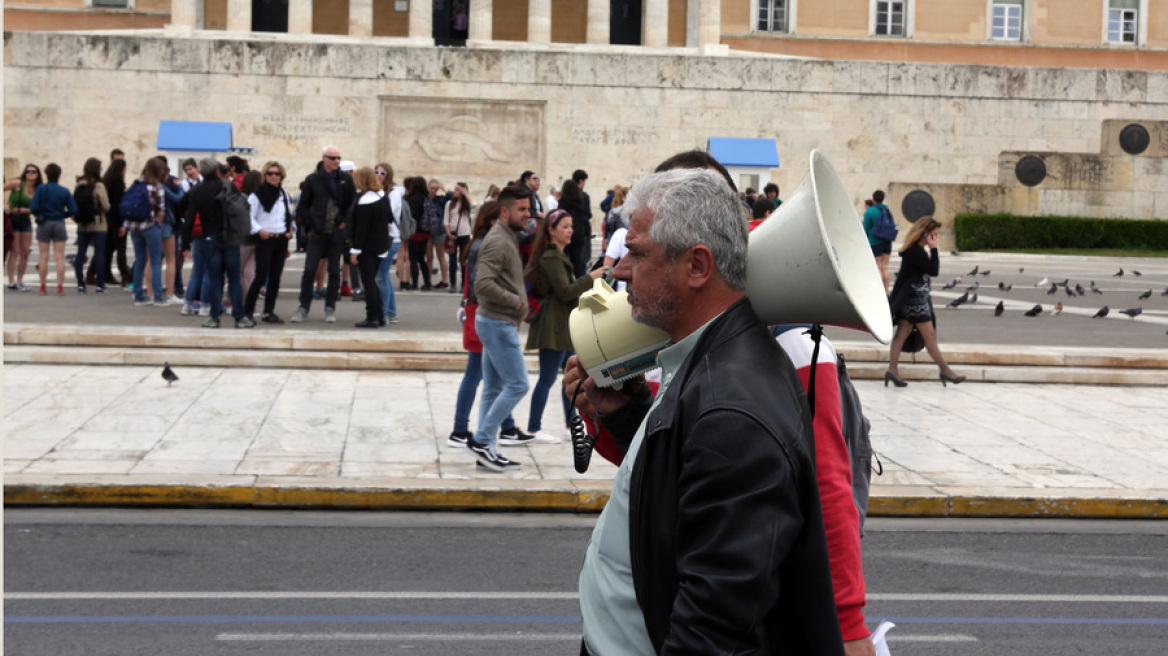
x,y
1069,84
227,56
25,48
1017,83
92,51
713,72
670,71
990,81
1121,86
392,64
817,76
476,66
422,64
860,77
639,72
553,68
173,55
1157,87
598,70
518,67
353,61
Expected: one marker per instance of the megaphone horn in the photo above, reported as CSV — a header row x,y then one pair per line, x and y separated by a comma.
x,y
810,262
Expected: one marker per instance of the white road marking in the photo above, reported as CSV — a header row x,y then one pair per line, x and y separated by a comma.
x,y
417,637
954,637
389,595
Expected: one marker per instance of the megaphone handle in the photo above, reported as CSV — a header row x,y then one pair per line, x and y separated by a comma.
x,y
816,332
582,442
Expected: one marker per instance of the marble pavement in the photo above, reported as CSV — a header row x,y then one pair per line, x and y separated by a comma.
x,y
321,438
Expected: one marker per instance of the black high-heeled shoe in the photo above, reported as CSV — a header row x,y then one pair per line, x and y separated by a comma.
x,y
889,376
956,380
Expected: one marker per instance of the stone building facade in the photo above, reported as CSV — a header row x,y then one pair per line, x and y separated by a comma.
x,y
484,115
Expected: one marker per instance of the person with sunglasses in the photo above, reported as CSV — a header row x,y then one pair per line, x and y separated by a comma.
x,y
328,194
18,208
271,227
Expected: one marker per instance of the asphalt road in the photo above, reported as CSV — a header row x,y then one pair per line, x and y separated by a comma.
x,y
969,324
291,583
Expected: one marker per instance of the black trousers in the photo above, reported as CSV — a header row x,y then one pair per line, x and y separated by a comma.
x,y
321,246
456,259
115,244
367,264
269,266
418,261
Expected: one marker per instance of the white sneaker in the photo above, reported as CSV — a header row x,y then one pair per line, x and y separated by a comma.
x,y
186,310
541,437
205,311
174,300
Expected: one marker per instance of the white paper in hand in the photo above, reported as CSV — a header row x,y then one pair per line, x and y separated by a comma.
x,y
879,640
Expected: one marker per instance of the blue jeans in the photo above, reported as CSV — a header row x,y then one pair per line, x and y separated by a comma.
x,y
504,375
84,240
385,286
466,394
222,259
147,242
196,290
551,362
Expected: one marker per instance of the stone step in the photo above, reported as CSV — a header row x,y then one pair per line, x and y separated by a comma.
x,y
442,351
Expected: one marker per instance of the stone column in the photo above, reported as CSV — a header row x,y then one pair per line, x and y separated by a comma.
x,y
709,22
238,15
655,24
539,21
482,20
422,19
361,18
299,16
598,21
186,14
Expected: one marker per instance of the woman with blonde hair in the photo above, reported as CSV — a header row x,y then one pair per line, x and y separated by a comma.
x,y
396,194
271,228
370,244
910,302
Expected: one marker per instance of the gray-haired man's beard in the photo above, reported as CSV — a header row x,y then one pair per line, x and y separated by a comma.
x,y
654,309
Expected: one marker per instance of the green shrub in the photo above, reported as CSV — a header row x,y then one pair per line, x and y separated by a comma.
x,y
975,232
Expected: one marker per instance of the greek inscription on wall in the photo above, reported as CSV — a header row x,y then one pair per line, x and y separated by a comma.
x,y
614,136
301,127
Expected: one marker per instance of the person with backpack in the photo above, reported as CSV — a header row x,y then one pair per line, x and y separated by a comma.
x,y
418,198
115,239
881,230
92,206
215,202
143,209
52,204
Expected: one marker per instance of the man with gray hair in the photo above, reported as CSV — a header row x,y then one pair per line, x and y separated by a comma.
x,y
712,540
325,199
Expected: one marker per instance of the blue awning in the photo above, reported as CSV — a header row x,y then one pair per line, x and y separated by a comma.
x,y
733,151
194,136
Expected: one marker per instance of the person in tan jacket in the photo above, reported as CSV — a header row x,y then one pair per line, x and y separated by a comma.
x,y
91,223
502,305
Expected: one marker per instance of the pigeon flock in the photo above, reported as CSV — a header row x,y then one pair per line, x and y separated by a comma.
x,y
1068,287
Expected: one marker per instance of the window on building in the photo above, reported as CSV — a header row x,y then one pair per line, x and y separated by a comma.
x,y
1007,20
1122,21
122,4
772,16
890,18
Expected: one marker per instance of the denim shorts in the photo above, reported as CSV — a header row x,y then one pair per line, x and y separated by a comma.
x,y
167,230
438,237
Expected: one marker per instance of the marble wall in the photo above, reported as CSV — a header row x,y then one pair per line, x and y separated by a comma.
x,y
615,112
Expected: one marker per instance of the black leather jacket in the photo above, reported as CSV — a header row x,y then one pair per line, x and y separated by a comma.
x,y
314,199
726,531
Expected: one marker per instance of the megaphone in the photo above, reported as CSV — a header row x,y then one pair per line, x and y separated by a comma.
x,y
810,262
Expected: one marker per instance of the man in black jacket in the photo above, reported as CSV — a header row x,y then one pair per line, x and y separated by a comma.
x,y
324,203
220,258
712,540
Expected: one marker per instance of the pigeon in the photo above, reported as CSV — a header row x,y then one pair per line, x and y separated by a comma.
x,y
959,300
168,375
951,284
1146,295
1021,269
1136,273
1064,283
1053,288
973,299
1133,312
986,272
1117,273
1101,313
1079,290
1058,308
1096,290
999,308
973,287
1042,283
1070,292
1007,288
972,273
1034,311
1165,292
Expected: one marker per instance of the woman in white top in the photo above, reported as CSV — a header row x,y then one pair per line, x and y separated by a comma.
x,y
458,225
396,193
271,226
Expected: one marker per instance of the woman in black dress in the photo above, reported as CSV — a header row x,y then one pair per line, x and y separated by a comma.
x,y
910,302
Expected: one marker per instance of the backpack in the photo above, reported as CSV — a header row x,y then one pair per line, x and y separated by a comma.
x,y
431,220
855,428
885,226
135,205
86,209
236,215
406,225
